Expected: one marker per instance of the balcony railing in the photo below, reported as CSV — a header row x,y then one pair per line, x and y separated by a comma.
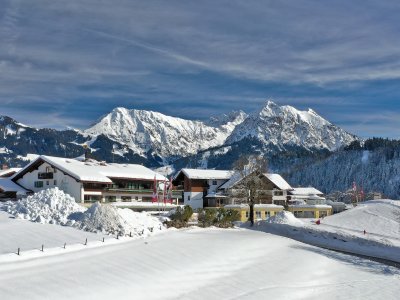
x,y
45,175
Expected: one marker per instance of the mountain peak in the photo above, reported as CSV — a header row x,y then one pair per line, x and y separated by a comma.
x,y
285,126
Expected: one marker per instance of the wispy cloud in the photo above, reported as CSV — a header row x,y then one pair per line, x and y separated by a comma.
x,y
180,57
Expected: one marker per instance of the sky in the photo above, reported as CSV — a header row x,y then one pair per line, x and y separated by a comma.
x,y
67,63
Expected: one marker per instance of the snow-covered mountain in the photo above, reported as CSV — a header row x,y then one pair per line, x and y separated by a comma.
x,y
283,126
274,126
154,139
168,137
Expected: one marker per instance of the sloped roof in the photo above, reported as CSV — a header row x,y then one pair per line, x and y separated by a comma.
x,y
7,185
276,179
94,171
9,172
235,178
206,174
305,191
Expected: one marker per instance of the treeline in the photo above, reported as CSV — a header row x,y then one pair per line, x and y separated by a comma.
x,y
373,144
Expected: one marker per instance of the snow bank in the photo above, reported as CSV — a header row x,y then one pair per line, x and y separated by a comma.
x,y
51,206
284,217
111,220
380,218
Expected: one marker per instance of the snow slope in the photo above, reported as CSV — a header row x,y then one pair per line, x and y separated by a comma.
x,y
345,231
380,218
200,264
27,235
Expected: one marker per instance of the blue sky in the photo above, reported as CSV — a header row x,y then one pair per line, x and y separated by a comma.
x,y
66,63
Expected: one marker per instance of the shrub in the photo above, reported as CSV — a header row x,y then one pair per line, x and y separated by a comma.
x,y
226,217
207,217
181,217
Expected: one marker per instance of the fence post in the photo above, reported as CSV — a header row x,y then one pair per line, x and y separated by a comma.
x,y
130,233
18,251
65,244
103,239
86,242
42,247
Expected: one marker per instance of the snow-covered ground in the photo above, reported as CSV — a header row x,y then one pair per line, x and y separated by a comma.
x,y
200,264
197,263
345,231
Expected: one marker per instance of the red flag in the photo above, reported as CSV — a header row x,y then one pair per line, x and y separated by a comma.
x,y
169,200
154,198
165,191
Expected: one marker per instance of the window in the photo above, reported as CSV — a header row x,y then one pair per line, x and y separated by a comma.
x,y
45,175
111,198
47,182
258,214
267,214
278,193
214,182
323,213
247,214
188,198
92,198
308,214
55,182
126,198
38,184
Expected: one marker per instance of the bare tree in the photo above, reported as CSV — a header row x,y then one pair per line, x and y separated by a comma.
x,y
249,170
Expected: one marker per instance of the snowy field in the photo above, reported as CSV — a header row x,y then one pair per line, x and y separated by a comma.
x,y
194,263
345,231
200,264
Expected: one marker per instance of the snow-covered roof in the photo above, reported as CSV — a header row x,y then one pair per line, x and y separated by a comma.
x,y
268,206
310,206
7,185
9,172
305,191
235,178
246,206
278,181
207,174
94,171
274,178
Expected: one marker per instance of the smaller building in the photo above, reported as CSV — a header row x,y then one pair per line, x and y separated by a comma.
x,y
271,189
261,211
308,202
200,186
8,172
310,211
11,190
